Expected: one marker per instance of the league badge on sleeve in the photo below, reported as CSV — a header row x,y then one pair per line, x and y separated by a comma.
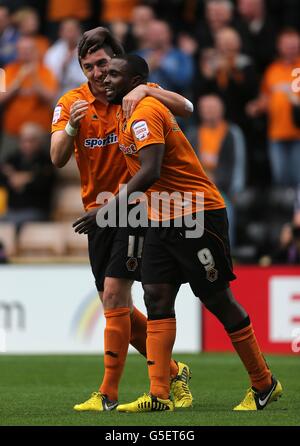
x,y
56,114
140,130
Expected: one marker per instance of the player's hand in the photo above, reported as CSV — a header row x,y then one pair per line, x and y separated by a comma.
x,y
131,100
87,223
78,111
96,37
93,37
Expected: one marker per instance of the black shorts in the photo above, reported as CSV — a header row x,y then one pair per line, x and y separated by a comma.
x,y
115,252
205,262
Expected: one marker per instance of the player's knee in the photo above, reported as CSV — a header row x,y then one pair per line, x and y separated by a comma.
x,y
226,308
157,303
116,294
100,294
151,298
218,298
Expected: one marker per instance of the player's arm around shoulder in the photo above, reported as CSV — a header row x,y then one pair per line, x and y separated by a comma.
x,y
179,105
65,125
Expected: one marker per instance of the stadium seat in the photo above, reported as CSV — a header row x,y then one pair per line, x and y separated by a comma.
x,y
67,203
282,198
76,244
42,239
8,238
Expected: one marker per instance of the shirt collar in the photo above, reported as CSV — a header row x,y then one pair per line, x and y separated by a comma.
x,y
88,94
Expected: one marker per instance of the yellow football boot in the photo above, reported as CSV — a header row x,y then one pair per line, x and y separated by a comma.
x,y
182,396
97,402
255,400
146,403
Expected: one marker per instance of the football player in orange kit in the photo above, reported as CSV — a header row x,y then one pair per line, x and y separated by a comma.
x,y
161,160
83,120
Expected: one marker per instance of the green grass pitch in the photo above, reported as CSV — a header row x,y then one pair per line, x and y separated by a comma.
x,y
41,390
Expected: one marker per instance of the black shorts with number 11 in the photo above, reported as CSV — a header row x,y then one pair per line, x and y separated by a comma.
x,y
115,252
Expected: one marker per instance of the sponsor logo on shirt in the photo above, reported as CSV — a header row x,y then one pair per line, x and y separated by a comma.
x,y
92,143
129,150
140,130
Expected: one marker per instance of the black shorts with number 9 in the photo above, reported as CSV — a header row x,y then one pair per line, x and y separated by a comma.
x,y
169,256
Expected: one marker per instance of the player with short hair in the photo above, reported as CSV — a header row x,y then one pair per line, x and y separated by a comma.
x,y
160,159
84,120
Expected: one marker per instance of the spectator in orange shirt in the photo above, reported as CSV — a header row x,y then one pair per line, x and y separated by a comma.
x,y
277,99
31,90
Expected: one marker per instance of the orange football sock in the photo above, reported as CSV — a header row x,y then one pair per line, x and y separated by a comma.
x,y
160,340
139,334
246,346
116,342
138,331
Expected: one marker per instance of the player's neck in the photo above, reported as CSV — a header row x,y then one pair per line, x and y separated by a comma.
x,y
99,95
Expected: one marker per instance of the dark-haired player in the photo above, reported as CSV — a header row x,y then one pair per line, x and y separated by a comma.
x,y
83,120
161,160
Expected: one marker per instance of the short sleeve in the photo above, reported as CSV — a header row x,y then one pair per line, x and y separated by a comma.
x,y
147,126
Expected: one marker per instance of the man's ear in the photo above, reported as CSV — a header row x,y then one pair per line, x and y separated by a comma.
x,y
136,80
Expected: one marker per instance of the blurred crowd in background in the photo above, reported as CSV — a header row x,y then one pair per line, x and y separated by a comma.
x,y
239,63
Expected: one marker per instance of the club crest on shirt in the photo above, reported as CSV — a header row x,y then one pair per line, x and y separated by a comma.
x,y
128,150
140,130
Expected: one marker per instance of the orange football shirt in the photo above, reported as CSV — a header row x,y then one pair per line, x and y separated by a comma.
x,y
101,164
277,85
153,123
